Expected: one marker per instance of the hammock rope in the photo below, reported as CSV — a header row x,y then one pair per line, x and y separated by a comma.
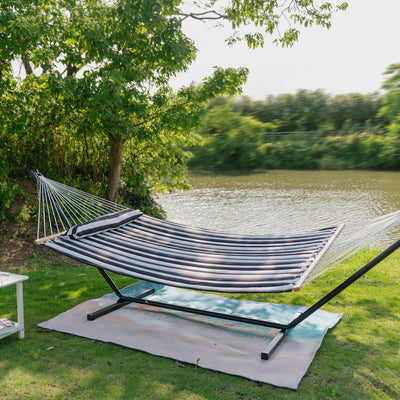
x,y
62,206
355,237
196,258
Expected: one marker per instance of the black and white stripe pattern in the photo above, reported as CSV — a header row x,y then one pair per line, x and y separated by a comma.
x,y
176,255
104,223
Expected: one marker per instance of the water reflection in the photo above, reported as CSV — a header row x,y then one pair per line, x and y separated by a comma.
x,y
283,201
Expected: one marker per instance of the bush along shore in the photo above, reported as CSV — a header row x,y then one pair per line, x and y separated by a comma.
x,y
307,130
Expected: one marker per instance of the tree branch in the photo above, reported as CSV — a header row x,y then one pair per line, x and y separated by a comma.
x,y
27,65
206,15
71,70
175,106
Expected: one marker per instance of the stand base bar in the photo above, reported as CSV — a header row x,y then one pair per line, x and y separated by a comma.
x,y
272,345
120,303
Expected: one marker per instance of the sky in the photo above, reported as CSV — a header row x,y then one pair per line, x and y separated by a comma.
x,y
350,57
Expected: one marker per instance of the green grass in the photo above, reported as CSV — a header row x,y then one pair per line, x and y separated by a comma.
x,y
359,358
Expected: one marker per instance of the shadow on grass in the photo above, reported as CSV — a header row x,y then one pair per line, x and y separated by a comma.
x,y
358,358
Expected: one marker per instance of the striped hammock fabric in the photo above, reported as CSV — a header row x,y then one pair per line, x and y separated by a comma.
x,y
176,255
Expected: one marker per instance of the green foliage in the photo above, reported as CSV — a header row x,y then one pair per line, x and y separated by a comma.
x,y
35,134
153,166
392,82
135,193
354,110
298,131
230,141
303,111
8,190
390,110
281,20
290,153
311,110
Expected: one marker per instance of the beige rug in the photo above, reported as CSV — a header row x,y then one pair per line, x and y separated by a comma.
x,y
221,345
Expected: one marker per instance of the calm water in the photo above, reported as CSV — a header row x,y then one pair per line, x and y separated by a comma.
x,y
283,201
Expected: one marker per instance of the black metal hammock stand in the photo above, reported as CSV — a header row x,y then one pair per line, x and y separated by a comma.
x,y
114,238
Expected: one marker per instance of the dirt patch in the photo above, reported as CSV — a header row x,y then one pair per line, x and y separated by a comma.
x,y
18,233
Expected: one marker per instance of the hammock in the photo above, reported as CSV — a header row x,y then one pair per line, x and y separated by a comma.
x,y
114,238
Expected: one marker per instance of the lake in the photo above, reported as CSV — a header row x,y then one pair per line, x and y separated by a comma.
x,y
283,201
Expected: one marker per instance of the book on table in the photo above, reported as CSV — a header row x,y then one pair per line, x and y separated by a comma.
x,y
6,323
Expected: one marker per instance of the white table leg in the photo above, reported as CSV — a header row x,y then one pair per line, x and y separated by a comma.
x,y
20,311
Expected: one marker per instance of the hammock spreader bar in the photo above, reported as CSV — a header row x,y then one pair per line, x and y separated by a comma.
x,y
98,233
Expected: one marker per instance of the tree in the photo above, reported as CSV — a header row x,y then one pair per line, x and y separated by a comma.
x,y
107,64
230,141
303,111
354,109
390,110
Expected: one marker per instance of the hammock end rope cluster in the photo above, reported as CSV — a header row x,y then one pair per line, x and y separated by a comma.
x,y
117,239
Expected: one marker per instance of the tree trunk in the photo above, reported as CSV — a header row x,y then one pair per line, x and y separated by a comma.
x,y
116,145
27,65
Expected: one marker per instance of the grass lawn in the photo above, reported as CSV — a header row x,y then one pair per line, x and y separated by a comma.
x,y
359,358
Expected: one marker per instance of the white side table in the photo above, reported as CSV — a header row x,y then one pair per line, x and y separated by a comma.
x,y
7,279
